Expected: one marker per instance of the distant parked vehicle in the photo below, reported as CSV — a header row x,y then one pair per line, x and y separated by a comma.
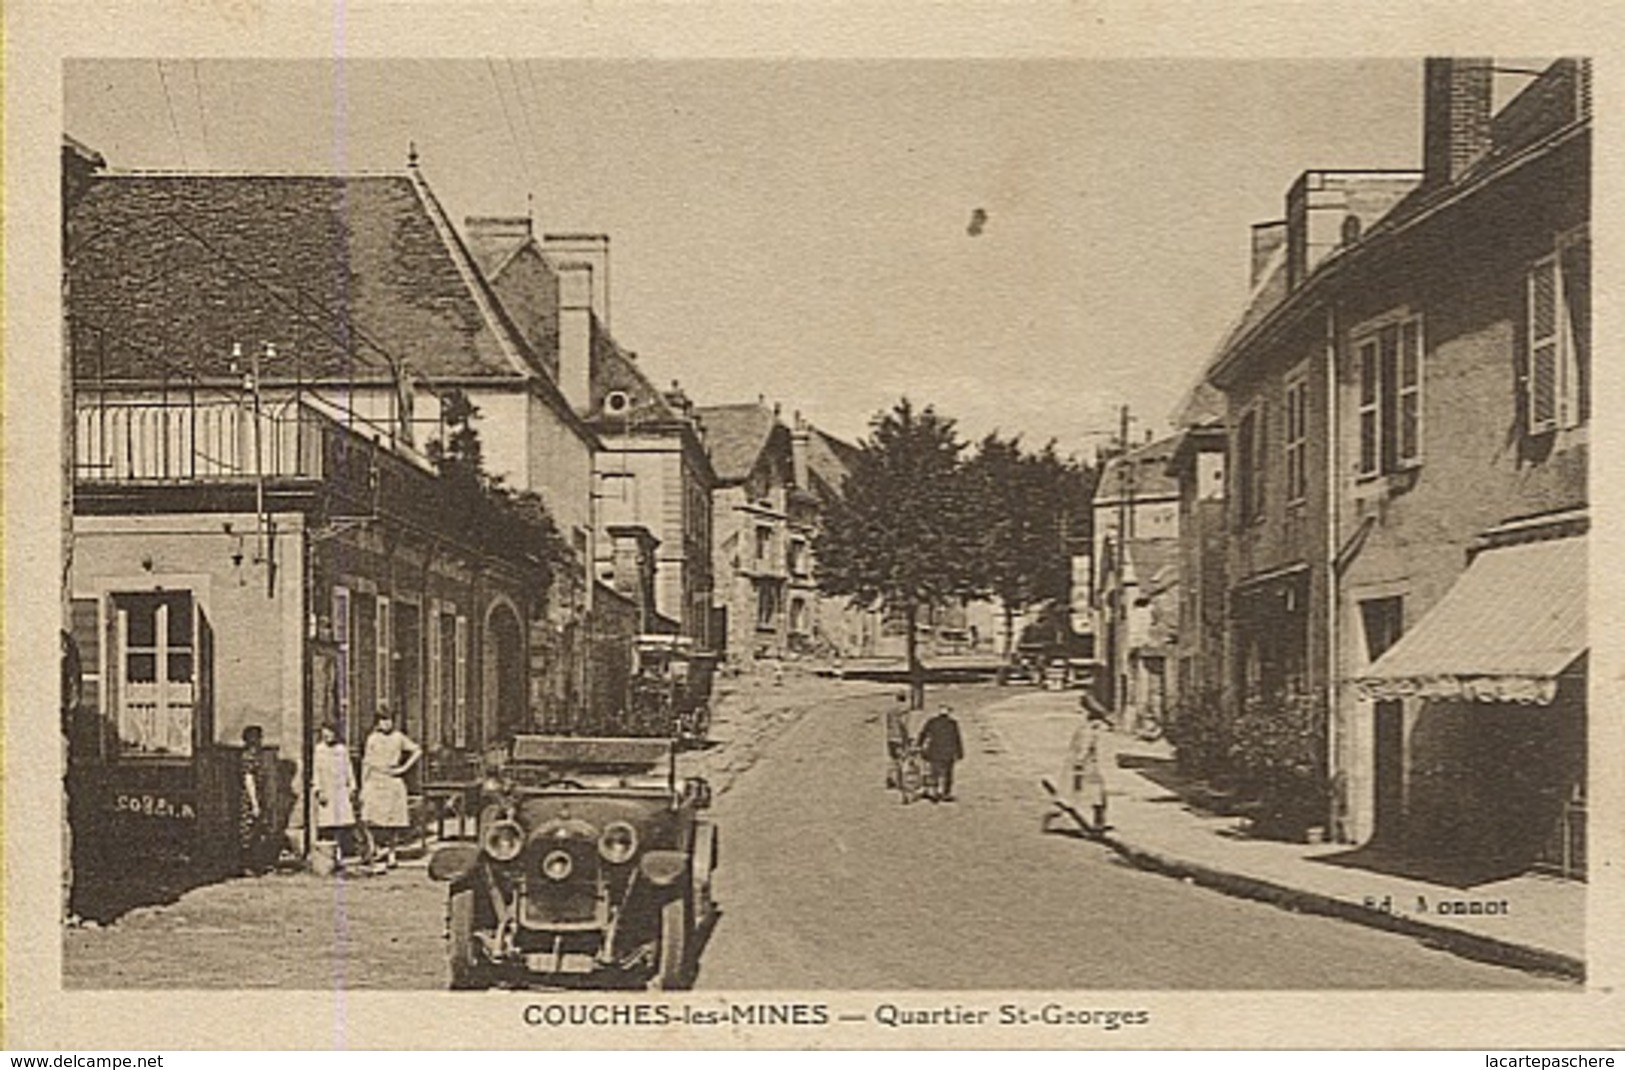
x,y
669,692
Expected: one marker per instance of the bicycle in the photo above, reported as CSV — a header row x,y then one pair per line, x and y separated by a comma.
x,y
909,774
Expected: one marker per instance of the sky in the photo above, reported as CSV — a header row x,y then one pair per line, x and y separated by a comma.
x,y
802,229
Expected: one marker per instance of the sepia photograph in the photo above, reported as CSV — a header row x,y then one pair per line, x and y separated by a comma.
x,y
817,551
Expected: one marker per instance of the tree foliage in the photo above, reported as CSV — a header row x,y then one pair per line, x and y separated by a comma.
x,y
1034,506
516,523
904,534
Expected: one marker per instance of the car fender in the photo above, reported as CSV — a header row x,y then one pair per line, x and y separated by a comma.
x,y
454,862
706,849
663,868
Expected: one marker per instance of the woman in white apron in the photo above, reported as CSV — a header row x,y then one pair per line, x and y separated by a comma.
x,y
334,785
385,760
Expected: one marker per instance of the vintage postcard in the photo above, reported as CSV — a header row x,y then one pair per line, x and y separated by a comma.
x,y
793,527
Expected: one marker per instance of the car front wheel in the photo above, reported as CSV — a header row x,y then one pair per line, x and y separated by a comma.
x,y
671,967
462,953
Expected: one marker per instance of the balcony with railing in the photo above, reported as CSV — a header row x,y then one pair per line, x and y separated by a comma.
x,y
143,441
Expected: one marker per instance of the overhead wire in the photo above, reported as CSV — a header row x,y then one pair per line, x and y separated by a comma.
x,y
524,114
202,116
169,106
507,117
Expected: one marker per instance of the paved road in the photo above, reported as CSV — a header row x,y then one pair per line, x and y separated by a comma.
x,y
828,882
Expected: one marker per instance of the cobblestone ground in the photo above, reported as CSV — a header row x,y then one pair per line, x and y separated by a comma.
x,y
299,931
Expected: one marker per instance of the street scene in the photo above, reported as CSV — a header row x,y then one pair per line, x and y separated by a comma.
x,y
993,569
859,903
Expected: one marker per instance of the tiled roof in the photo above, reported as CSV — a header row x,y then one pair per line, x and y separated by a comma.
x,y
1553,102
735,436
1271,290
613,368
527,287
829,461
1550,110
1147,473
492,251
528,291
1202,406
167,272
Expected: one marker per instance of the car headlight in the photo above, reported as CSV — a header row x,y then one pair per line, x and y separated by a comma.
x,y
557,865
503,840
618,843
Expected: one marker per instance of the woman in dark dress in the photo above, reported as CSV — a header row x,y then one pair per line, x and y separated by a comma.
x,y
253,810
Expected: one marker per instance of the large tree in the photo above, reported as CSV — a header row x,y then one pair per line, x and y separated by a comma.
x,y
903,535
1034,509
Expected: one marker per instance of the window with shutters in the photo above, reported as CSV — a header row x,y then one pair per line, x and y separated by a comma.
x,y
1297,438
1388,368
153,659
1251,463
460,683
343,640
1557,371
450,675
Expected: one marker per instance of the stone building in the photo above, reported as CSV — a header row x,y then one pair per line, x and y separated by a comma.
x,y
1408,406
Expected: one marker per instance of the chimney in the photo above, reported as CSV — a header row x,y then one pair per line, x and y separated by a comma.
x,y
1456,105
575,333
1267,238
590,249
496,228
800,440
633,568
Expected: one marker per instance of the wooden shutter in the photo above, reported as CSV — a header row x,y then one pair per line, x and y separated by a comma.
x,y
1261,453
1574,275
385,650
203,680
342,637
1543,347
434,731
460,721
1370,401
1410,393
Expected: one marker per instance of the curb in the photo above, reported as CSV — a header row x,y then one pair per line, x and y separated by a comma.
x,y
1468,945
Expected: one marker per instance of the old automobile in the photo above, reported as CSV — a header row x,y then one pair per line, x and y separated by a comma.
x,y
670,688
592,865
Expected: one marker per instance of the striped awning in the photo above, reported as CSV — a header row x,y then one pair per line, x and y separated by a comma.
x,y
1504,633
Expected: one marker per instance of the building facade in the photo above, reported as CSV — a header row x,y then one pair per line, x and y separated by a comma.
x,y
1135,501
246,352
651,469
282,570
1198,464
1403,405
773,481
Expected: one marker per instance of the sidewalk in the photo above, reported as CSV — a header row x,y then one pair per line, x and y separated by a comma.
x,y
1530,922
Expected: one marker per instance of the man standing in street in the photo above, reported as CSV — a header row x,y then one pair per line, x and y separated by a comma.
x,y
942,746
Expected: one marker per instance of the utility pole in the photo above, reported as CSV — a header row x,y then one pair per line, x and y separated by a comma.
x,y
1125,519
